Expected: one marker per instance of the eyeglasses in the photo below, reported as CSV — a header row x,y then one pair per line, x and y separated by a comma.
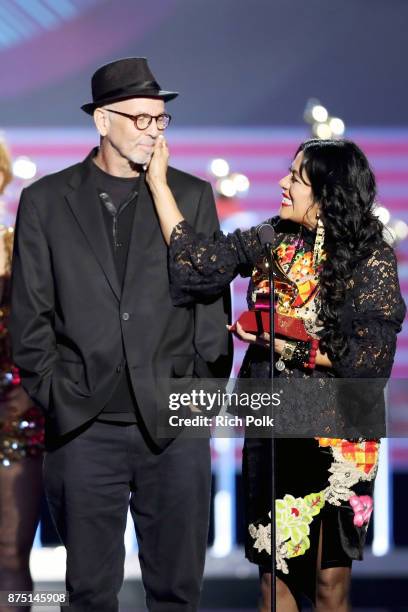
x,y
143,120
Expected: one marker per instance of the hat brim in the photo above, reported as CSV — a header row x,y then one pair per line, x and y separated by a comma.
x,y
161,95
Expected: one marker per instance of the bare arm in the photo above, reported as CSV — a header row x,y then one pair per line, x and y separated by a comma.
x,y
167,209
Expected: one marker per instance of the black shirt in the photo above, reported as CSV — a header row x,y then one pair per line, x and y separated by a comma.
x,y
118,198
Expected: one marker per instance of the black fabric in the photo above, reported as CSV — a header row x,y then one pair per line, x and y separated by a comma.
x,y
71,319
301,467
90,479
129,77
372,315
123,194
73,323
122,405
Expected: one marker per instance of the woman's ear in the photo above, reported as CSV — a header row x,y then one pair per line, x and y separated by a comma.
x,y
312,215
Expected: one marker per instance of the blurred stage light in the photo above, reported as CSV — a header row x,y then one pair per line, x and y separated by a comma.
x,y
24,168
241,182
337,126
323,125
401,230
219,167
222,538
390,236
319,113
309,114
229,184
226,187
383,214
322,131
382,503
395,230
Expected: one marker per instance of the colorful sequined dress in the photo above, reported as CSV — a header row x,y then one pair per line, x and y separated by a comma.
x,y
21,436
321,483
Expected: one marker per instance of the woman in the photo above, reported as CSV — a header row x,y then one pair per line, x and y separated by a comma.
x,y
343,285
21,441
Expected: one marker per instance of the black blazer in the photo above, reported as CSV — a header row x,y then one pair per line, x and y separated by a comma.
x,y
72,326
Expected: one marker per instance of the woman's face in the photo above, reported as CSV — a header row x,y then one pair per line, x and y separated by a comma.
x,y
297,197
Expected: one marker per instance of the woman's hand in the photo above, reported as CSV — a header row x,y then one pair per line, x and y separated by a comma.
x,y
14,403
157,169
262,339
156,177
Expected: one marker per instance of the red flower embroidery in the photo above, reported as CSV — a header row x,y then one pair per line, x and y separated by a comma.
x,y
362,506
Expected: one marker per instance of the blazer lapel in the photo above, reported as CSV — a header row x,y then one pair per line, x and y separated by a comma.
x,y
86,206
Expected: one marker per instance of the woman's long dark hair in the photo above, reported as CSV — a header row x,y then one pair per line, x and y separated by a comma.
x,y
343,185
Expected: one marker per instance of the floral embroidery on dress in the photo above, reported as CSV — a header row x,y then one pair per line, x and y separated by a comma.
x,y
262,536
353,462
325,442
362,506
293,519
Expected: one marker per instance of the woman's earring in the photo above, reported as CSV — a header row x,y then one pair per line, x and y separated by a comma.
x,y
319,242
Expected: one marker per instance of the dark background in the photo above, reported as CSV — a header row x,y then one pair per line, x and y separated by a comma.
x,y
235,62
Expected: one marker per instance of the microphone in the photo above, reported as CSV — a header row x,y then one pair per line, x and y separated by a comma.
x,y
266,235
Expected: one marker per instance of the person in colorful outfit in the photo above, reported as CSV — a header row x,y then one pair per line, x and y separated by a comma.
x,y
343,285
21,440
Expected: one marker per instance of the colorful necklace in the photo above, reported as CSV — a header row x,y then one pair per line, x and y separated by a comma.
x,y
299,269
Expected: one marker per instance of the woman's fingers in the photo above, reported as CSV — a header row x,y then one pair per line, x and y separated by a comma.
x,y
161,148
157,168
241,334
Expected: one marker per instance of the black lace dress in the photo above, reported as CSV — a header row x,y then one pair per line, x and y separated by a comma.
x,y
323,484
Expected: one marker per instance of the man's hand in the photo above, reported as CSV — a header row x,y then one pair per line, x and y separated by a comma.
x,y
14,403
157,169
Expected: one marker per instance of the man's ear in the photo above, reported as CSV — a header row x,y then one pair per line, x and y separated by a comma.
x,y
101,121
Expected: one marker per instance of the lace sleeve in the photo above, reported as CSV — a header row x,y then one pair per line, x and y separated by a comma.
x,y
201,267
376,319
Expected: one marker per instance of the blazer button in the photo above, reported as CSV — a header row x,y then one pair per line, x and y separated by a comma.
x,y
125,316
119,369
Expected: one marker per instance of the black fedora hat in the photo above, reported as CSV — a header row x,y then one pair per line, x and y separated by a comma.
x,y
130,77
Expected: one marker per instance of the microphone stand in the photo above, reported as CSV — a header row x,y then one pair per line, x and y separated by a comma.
x,y
268,250
266,235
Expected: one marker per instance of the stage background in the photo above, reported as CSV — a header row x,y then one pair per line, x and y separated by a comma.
x,y
244,71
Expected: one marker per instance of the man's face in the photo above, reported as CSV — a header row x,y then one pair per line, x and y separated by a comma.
x,y
129,142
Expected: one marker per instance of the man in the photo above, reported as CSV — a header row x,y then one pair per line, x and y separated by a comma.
x,y
93,329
